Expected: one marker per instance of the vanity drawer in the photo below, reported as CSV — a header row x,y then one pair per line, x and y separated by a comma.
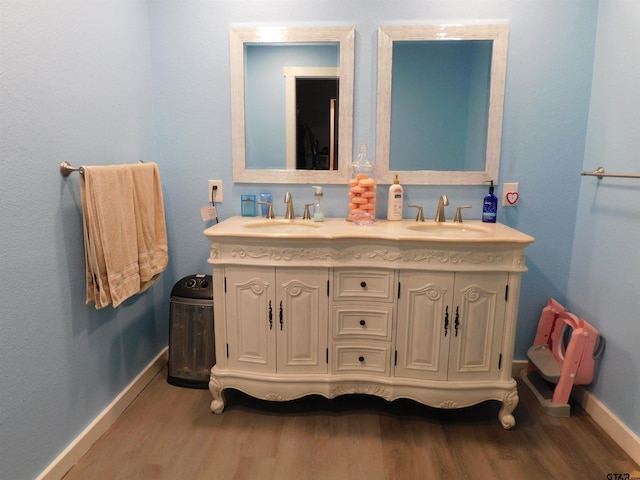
x,y
359,284
363,358
358,320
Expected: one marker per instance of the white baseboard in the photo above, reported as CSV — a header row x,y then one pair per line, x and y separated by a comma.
x,y
83,442
618,431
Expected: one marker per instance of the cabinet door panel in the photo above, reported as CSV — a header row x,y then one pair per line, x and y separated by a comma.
x,y
475,345
302,335
424,325
250,336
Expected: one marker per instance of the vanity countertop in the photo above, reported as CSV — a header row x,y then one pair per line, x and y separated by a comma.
x,y
470,231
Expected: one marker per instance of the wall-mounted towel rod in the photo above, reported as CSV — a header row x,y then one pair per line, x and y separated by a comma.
x,y
600,173
66,169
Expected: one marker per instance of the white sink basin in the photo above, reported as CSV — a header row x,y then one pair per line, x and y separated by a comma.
x,y
281,224
453,230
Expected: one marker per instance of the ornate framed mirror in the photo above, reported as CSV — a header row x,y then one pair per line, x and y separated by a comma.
x,y
271,69
440,103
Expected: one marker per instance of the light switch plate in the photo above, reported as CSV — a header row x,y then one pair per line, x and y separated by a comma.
x,y
510,194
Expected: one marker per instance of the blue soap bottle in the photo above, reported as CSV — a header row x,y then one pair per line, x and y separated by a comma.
x,y
490,206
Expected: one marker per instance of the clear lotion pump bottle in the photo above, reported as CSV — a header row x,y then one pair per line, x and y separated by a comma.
x,y
318,206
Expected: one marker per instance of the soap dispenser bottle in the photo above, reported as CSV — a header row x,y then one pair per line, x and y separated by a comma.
x,y
394,204
318,206
490,206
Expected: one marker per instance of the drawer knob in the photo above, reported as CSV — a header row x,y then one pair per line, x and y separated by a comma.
x,y
361,359
363,284
363,323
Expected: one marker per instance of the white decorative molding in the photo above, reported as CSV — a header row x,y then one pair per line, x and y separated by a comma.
x,y
275,397
364,388
293,253
217,402
509,404
438,256
393,256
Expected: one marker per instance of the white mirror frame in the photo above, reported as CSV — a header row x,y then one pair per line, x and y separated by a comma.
x,y
386,36
345,36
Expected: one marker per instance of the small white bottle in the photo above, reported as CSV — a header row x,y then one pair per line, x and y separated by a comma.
x,y
394,205
318,207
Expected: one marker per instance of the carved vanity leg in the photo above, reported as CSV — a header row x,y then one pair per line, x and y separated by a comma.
x,y
215,387
509,404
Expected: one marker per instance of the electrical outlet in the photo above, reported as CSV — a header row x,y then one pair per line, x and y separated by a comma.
x,y
215,195
510,195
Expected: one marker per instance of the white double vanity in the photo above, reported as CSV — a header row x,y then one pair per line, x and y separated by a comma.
x,y
418,310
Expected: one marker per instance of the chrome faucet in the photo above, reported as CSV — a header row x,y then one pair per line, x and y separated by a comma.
x,y
269,205
458,218
307,213
288,199
420,216
443,202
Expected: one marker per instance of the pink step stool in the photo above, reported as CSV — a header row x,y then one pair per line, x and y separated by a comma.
x,y
564,364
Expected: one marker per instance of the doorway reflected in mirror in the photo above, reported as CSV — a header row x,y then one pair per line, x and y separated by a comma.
x,y
317,126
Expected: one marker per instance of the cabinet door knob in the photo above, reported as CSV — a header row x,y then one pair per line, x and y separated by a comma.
x,y
457,322
270,316
361,359
363,323
281,316
363,284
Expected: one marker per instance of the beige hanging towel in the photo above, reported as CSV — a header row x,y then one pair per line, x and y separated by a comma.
x,y
124,231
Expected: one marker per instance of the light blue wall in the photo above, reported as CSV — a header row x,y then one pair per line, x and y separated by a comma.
x,y
77,85
604,283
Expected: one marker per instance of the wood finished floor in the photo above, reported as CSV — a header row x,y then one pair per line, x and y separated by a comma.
x,y
168,432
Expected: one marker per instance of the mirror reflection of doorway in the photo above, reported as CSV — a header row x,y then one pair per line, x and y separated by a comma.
x,y
316,123
312,117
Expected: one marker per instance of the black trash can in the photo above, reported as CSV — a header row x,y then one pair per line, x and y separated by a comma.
x,y
192,350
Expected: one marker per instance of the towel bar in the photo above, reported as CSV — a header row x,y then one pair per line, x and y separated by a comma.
x,y
600,173
66,168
